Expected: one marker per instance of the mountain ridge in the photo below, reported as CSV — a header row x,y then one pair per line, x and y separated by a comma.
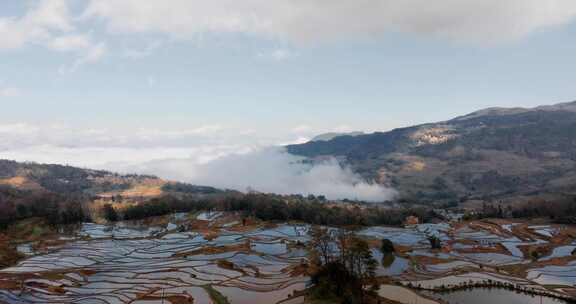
x,y
565,106
64,179
332,135
492,153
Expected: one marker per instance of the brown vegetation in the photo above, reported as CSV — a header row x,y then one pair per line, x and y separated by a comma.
x,y
244,247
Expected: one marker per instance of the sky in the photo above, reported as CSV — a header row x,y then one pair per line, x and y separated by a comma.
x,y
118,84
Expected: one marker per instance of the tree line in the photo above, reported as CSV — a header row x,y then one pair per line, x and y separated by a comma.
x,y
62,209
560,211
56,209
271,207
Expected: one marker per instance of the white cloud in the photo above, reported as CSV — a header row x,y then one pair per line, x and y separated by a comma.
x,y
10,92
101,147
209,154
247,132
296,141
53,14
277,54
301,128
49,23
18,129
271,170
20,135
92,55
52,23
134,53
281,54
311,21
116,158
37,26
70,43
204,130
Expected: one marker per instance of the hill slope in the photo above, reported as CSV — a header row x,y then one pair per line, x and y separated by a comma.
x,y
71,180
492,153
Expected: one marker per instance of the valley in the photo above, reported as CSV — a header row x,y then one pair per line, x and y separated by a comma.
x,y
287,152
221,257
485,210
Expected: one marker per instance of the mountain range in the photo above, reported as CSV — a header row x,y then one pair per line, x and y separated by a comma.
x,y
495,153
491,154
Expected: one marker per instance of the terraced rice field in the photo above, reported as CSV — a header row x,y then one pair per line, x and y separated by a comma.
x,y
212,258
122,265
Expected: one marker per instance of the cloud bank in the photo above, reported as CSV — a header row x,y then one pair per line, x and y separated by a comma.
x,y
313,21
211,155
50,24
271,170
10,92
90,30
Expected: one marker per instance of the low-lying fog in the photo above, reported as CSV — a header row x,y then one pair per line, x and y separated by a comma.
x,y
270,170
204,156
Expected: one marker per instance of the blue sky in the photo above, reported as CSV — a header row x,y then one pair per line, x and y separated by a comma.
x,y
193,75
395,81
241,78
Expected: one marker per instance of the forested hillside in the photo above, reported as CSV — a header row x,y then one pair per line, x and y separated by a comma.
x,y
489,154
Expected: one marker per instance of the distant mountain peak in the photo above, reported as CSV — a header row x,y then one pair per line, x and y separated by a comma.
x,y
332,135
493,111
566,106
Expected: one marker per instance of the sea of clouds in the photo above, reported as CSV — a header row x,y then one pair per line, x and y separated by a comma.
x,y
204,156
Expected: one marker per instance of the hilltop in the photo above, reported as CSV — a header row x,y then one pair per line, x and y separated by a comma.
x,y
68,180
495,153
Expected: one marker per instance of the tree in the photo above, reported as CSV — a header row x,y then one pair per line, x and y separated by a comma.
x,y
360,262
22,211
321,245
344,266
535,255
51,211
110,213
6,214
387,247
435,242
72,213
388,259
